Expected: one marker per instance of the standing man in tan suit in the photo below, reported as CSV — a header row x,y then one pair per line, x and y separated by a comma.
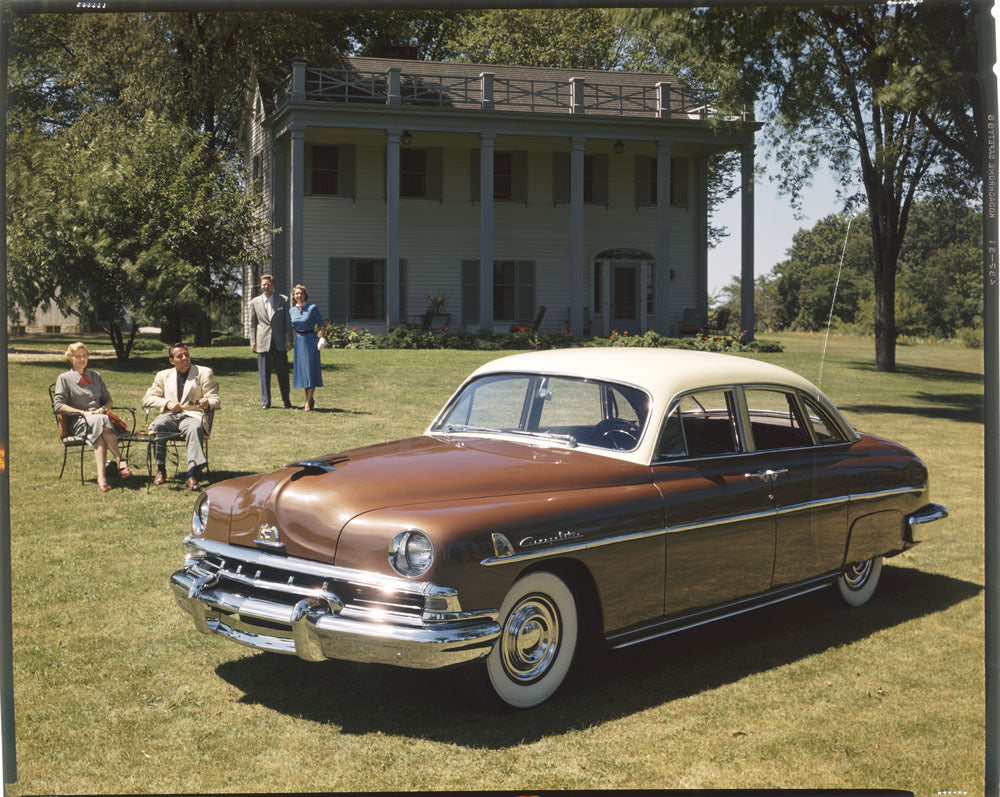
x,y
270,338
182,394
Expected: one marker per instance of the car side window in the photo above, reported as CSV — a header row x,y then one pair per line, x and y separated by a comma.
x,y
822,426
701,425
775,419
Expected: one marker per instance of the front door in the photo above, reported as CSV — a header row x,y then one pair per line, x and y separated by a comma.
x,y
626,315
720,521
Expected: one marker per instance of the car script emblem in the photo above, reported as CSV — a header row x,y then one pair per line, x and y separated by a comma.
x,y
268,537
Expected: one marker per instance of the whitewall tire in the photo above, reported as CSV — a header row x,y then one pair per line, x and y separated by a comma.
x,y
858,581
537,641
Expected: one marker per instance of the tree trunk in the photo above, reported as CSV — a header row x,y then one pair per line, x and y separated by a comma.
x,y
885,316
203,329
886,247
170,330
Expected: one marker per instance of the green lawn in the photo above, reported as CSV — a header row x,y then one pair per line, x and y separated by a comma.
x,y
116,692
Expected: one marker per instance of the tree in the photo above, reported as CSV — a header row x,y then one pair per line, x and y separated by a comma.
x,y
112,220
581,38
827,79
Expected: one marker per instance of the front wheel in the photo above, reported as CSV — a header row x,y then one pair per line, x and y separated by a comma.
x,y
857,582
537,641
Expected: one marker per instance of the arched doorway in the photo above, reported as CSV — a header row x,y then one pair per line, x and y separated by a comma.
x,y
624,296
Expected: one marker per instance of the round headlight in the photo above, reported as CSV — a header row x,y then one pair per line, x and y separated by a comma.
x,y
411,553
200,519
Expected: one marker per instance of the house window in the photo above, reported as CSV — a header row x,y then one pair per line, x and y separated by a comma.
x,y
646,183
17,329
258,175
53,329
325,170
513,290
367,289
595,178
357,289
503,175
413,173
510,176
588,178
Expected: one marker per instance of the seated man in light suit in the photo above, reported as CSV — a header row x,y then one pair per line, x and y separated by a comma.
x,y
270,338
182,394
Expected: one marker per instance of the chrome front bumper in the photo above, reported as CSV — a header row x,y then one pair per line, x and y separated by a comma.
x,y
314,623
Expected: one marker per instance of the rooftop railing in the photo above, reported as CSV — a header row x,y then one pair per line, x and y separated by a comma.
x,y
488,92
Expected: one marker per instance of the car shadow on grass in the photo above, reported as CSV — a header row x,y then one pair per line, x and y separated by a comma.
x,y
923,371
962,407
441,705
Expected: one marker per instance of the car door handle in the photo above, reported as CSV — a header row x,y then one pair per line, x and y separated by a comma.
x,y
768,476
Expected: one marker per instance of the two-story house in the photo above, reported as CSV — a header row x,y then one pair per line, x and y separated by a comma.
x,y
502,188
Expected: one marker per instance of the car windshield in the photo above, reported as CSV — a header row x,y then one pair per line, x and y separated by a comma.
x,y
559,408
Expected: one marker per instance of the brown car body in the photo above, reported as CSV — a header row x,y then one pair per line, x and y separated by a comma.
x,y
302,560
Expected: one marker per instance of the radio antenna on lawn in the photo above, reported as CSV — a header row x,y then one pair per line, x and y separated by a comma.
x,y
833,301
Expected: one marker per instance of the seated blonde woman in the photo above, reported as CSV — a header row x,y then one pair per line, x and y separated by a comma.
x,y
82,395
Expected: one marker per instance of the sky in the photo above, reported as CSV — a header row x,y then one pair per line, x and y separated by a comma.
x,y
774,226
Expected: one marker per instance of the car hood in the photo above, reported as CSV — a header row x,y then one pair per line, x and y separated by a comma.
x,y
311,503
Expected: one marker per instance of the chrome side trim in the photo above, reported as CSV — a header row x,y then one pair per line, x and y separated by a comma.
x,y
721,613
561,550
873,496
823,502
573,548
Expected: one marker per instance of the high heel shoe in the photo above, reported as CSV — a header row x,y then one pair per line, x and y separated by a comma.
x,y
309,405
103,488
124,471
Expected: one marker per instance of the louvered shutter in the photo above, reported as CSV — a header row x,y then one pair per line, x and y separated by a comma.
x,y
470,291
435,165
560,178
338,289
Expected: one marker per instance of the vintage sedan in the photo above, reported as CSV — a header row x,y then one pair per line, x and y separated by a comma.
x,y
621,494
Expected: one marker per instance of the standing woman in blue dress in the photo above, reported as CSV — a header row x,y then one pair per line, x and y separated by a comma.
x,y
305,367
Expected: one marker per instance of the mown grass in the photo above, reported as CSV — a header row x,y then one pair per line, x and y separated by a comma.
x,y
115,691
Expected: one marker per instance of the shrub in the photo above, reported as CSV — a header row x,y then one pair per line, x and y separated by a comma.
x,y
970,337
407,338
147,344
228,339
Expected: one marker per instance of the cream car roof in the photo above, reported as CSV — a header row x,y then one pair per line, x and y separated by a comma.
x,y
663,373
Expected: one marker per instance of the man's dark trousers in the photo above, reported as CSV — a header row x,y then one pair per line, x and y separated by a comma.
x,y
278,358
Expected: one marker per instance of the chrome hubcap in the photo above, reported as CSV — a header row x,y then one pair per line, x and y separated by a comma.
x,y
857,574
530,638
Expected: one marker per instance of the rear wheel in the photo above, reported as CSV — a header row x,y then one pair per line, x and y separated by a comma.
x,y
857,582
537,641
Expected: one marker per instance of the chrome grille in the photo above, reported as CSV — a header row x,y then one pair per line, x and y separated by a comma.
x,y
252,578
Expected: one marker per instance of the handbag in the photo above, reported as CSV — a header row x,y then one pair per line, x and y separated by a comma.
x,y
322,343
119,426
65,424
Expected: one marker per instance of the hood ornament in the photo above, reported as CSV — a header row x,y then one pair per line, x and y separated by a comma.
x,y
268,537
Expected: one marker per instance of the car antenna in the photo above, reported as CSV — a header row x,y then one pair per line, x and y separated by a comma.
x,y
833,301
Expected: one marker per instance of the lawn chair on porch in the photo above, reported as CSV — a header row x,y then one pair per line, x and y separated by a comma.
x,y
64,425
530,326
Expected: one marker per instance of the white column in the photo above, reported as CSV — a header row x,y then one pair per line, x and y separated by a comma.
x,y
279,219
663,254
747,320
702,240
296,193
576,236
392,228
486,231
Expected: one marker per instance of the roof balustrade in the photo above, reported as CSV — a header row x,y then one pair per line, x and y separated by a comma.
x,y
487,91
